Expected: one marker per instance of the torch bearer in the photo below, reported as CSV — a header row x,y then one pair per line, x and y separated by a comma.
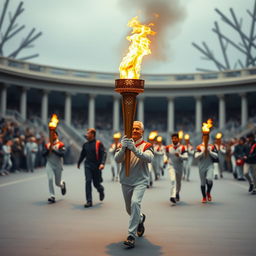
x,y
186,138
129,85
218,138
52,127
206,128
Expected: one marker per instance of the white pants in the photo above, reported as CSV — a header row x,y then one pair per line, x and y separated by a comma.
x,y
53,173
216,169
133,196
175,178
250,171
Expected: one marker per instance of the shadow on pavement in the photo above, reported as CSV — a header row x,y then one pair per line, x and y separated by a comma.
x,y
81,206
44,203
143,247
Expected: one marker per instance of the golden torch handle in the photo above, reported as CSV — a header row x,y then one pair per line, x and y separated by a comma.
x,y
51,132
205,140
129,107
129,89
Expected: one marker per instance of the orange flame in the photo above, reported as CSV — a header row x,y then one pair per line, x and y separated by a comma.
x,y
117,135
207,126
159,139
152,135
218,135
54,121
180,134
139,47
186,137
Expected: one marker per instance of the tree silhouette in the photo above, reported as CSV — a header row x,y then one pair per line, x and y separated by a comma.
x,y
12,29
246,45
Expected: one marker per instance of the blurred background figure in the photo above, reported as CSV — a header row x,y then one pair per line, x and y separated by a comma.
x,y
30,152
221,148
159,155
115,167
239,153
188,162
16,154
7,163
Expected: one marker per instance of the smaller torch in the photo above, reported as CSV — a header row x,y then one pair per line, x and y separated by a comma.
x,y
52,128
206,128
180,134
218,139
186,138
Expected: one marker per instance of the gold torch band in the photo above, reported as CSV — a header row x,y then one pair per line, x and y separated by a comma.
x,y
129,89
206,140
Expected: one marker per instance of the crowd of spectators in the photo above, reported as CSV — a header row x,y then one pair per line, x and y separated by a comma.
x,y
20,148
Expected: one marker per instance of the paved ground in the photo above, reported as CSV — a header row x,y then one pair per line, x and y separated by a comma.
x,y
30,226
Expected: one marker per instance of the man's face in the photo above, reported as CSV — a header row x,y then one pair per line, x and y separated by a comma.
x,y
241,142
137,132
250,139
54,137
89,135
175,140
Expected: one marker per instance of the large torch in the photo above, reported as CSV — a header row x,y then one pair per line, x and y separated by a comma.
x,y
52,127
129,85
206,128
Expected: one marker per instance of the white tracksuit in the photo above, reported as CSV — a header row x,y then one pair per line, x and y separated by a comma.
x,y
54,166
30,151
205,162
135,184
188,162
7,162
175,166
115,167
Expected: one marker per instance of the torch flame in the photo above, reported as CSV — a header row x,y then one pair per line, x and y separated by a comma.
x,y
139,47
186,137
159,139
207,126
117,135
152,135
180,134
218,135
54,121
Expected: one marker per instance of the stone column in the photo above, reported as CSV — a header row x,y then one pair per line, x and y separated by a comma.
x,y
91,110
244,109
44,107
3,100
170,113
23,103
68,108
222,111
199,108
116,112
140,115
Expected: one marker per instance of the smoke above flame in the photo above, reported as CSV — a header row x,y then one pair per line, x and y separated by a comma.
x,y
165,14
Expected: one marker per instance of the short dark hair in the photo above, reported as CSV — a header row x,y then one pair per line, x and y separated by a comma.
x,y
92,130
175,135
243,139
250,135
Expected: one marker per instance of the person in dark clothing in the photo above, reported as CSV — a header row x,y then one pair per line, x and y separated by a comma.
x,y
94,153
250,162
239,154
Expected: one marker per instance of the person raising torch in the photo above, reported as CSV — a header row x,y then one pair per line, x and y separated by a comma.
x,y
204,153
134,185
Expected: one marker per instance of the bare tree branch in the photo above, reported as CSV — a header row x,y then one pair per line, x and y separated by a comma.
x,y
12,29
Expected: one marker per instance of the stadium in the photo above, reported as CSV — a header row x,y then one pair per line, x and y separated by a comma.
x,y
74,166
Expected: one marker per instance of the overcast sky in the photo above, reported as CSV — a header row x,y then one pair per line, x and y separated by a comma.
x,y
91,34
